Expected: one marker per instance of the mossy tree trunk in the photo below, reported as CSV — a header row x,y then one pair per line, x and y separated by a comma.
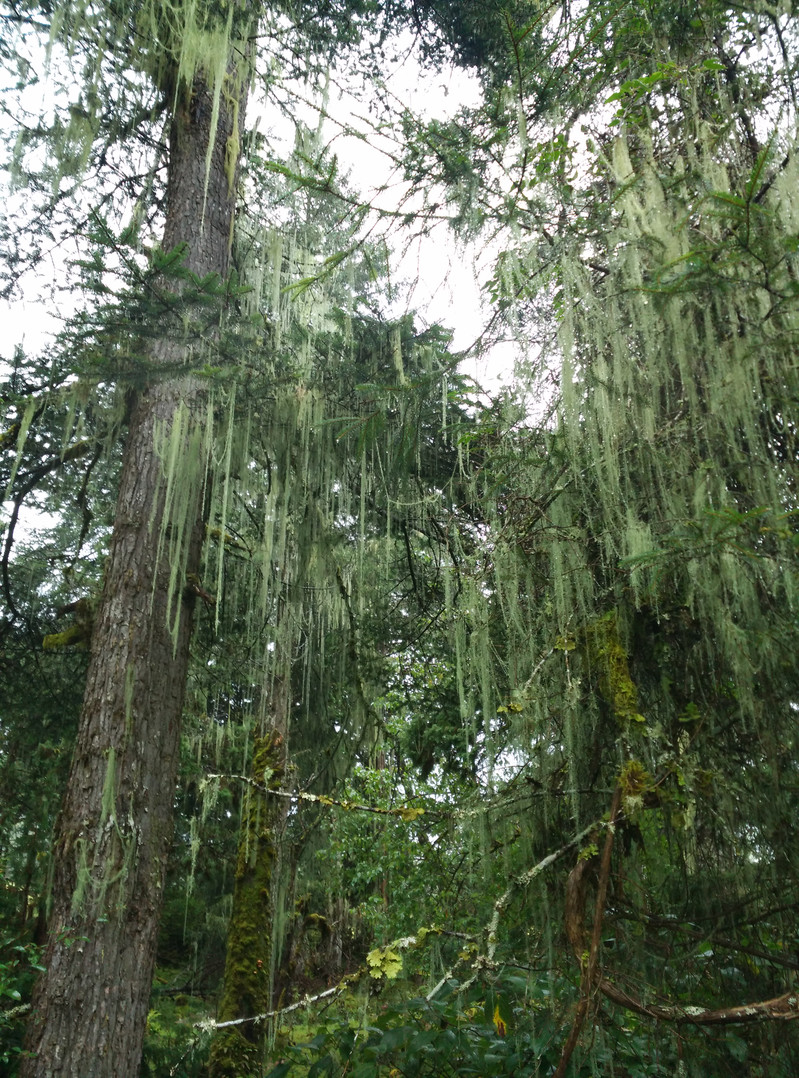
x,y
238,1050
90,1007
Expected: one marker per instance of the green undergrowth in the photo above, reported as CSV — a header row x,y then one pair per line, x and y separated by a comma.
x,y
173,1043
19,966
515,1028
486,1031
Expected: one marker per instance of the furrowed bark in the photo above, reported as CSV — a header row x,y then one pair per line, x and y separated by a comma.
x,y
90,1007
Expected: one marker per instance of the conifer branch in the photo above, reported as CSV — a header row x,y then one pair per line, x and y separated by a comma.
x,y
34,477
209,1024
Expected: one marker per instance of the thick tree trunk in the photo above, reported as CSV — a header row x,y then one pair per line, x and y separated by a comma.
x,y
90,1006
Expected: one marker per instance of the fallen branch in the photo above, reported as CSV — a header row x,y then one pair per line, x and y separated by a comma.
x,y
782,1008
208,1025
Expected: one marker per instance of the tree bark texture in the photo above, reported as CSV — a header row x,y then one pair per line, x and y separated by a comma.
x,y
90,1007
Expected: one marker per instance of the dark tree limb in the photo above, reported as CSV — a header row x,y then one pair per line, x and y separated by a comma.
x,y
588,981
781,1008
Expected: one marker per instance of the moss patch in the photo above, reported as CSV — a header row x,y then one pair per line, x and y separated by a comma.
x,y
237,1051
608,657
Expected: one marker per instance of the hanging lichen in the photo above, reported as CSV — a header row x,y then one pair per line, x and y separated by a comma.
x,y
632,600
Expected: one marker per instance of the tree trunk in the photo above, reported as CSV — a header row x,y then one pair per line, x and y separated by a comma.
x,y
237,1050
112,838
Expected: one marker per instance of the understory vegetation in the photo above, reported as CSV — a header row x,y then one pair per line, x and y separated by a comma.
x,y
356,720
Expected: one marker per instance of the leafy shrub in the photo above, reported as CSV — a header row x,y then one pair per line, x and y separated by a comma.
x,y
19,966
482,1032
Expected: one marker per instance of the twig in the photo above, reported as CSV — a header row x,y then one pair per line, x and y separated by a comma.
x,y
404,812
486,960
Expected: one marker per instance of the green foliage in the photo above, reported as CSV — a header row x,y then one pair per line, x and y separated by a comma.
x,y
19,966
503,1029
486,1032
394,870
494,619
515,1026
171,1042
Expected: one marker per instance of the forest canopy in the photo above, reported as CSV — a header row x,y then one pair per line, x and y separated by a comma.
x,y
354,720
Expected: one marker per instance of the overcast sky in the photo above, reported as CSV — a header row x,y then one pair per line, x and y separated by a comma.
x,y
441,277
